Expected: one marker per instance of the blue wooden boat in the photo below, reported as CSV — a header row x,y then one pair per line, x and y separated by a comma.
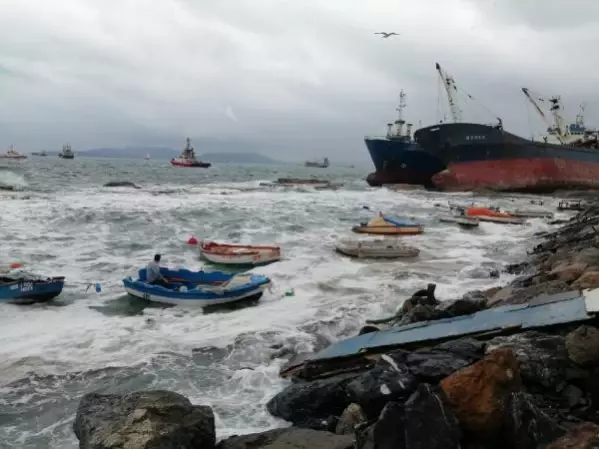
x,y
24,288
198,288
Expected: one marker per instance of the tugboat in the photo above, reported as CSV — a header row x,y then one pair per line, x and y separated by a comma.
x,y
188,158
66,152
480,156
323,164
11,153
397,158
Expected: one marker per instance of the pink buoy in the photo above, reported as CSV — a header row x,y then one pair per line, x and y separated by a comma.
x,y
192,240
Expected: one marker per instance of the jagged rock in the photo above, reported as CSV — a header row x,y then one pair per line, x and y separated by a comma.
x,y
572,395
589,279
143,420
351,417
527,426
522,291
471,303
291,438
311,404
419,313
389,380
121,184
584,436
466,348
582,345
568,272
478,394
424,422
432,366
543,357
588,255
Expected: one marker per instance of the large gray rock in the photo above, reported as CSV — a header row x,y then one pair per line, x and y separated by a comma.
x,y
582,345
143,420
291,438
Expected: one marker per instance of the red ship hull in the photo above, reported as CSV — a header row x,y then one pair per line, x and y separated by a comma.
x,y
525,174
175,163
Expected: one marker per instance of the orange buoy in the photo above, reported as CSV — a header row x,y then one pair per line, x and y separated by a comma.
x,y
192,240
15,265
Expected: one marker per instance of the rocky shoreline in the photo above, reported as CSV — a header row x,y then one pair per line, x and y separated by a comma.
x,y
515,389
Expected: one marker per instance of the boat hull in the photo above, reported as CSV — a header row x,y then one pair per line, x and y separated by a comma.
x,y
176,163
375,251
400,162
28,292
388,230
482,157
467,222
239,255
63,156
198,289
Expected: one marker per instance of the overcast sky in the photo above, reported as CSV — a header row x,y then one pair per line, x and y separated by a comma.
x,y
308,76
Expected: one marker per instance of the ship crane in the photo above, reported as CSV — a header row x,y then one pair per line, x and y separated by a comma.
x,y
559,122
451,89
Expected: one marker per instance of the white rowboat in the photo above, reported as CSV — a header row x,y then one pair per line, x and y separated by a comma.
x,y
231,254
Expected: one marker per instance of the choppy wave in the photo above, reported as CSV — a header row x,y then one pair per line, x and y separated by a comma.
x,y
52,354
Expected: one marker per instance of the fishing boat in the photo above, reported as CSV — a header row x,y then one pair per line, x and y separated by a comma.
x,y
493,215
397,158
319,164
198,288
382,225
21,287
486,156
41,153
13,154
375,249
232,254
187,158
531,213
66,152
462,220
147,157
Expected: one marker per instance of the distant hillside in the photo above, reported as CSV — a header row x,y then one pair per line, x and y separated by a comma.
x,y
238,158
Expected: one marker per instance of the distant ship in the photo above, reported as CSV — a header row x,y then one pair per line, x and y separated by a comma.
x,y
323,164
41,153
482,156
11,153
188,158
397,158
147,157
66,152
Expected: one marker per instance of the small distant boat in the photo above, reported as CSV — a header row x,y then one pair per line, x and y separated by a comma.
x,y
323,164
375,249
493,215
198,288
42,153
317,184
147,157
577,205
531,213
230,254
188,158
462,220
381,225
66,152
11,153
20,287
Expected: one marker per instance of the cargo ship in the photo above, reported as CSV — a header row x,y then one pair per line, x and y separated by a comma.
x,y
397,158
487,157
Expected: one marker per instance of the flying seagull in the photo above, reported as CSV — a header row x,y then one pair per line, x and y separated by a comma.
x,y
386,35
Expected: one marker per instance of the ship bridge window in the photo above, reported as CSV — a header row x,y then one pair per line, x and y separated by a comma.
x,y
476,137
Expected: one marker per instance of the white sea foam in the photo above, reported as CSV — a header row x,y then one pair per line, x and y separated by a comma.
x,y
102,234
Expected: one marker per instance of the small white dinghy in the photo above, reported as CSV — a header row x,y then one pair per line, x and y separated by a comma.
x,y
375,249
462,220
531,213
241,255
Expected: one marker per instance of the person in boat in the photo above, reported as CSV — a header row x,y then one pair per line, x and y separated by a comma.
x,y
153,275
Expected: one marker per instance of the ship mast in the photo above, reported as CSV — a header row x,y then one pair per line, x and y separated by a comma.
x,y
554,109
400,121
450,88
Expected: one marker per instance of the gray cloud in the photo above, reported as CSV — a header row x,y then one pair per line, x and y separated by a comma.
x,y
309,76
